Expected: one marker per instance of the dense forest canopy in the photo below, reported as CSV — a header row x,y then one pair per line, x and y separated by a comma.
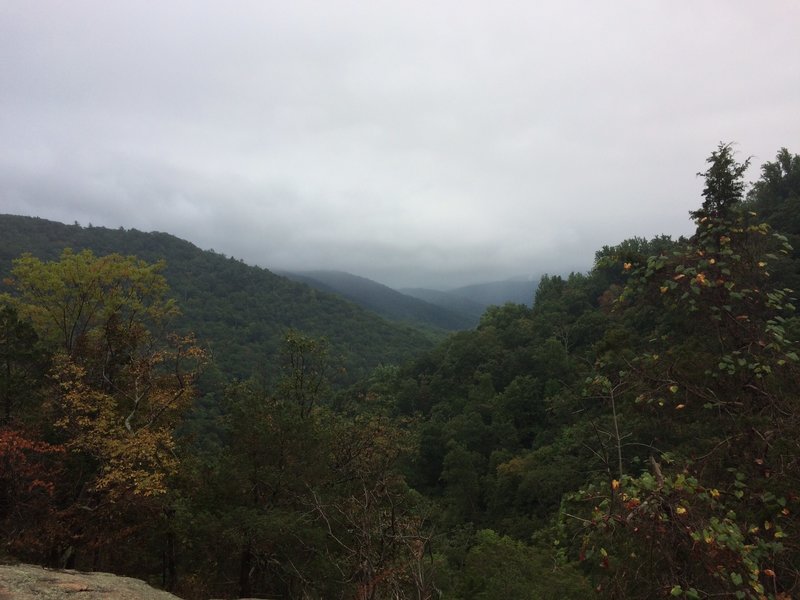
x,y
240,311
635,433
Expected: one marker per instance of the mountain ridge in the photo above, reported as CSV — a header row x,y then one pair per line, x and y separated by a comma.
x,y
385,301
242,310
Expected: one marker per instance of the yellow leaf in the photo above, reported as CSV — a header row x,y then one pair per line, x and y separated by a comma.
x,y
680,510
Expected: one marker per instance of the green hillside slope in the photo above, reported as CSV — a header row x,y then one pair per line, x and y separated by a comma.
x,y
447,300
240,310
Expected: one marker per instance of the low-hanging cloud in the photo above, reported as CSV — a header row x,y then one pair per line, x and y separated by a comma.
x,y
415,143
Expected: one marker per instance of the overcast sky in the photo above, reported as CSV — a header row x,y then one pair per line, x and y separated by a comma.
x,y
416,143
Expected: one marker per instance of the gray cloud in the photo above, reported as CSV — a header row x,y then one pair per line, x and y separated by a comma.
x,y
412,142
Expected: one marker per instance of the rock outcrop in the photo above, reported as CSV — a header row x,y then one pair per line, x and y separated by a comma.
x,y
28,582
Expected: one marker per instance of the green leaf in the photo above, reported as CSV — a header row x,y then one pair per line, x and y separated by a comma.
x,y
676,591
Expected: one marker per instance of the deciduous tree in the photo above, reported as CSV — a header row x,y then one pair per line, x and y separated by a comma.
x,y
119,384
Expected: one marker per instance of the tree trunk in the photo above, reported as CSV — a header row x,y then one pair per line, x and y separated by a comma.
x,y
169,574
245,566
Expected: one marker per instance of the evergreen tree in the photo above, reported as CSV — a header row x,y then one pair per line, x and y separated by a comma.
x,y
724,183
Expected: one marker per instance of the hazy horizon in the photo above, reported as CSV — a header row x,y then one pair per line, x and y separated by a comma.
x,y
310,271
412,143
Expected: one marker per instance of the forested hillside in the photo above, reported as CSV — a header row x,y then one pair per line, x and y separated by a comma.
x,y
635,433
642,419
242,311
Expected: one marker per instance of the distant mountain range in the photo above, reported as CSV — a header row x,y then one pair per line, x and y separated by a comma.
x,y
449,300
389,303
452,310
470,297
518,291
